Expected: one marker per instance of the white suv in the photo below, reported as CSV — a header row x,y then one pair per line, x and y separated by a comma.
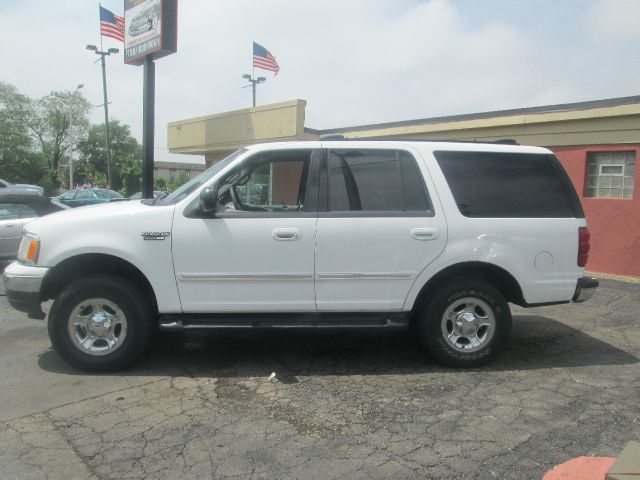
x,y
362,234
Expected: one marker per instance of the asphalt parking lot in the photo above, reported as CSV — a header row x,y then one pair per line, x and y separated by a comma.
x,y
355,405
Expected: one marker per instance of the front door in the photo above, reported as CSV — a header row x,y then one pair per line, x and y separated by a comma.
x,y
256,253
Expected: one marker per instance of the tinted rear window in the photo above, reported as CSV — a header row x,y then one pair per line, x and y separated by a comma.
x,y
509,185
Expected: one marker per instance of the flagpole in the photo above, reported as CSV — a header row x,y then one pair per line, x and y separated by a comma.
x,y
253,75
101,46
106,105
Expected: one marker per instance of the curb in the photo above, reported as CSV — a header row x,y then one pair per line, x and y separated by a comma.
x,y
619,278
581,468
625,467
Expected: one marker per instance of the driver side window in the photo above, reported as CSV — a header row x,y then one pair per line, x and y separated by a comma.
x,y
273,182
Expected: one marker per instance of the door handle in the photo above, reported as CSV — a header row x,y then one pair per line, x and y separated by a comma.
x,y
423,233
286,234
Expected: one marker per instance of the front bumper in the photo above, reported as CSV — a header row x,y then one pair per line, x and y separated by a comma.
x,y
585,289
22,284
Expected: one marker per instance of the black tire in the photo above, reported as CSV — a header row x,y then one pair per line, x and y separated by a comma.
x,y
436,323
120,294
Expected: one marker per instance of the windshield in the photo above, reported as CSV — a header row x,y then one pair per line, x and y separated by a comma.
x,y
181,192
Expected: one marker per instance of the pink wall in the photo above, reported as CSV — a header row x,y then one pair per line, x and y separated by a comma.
x,y
614,223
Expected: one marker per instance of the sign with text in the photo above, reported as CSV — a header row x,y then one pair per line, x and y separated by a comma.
x,y
150,28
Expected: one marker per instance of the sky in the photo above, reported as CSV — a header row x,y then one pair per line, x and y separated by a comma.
x,y
354,61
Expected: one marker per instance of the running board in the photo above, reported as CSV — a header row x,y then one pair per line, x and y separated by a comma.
x,y
283,320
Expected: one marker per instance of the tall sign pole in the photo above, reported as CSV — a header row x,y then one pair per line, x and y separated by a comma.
x,y
150,33
148,121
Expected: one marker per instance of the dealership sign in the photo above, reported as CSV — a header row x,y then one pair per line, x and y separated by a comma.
x,y
150,28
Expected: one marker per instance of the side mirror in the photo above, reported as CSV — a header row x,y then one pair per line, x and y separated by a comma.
x,y
209,199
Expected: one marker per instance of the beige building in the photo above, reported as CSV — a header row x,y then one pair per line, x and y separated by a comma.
x,y
615,120
172,170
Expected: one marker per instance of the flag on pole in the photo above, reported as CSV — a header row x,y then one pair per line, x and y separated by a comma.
x,y
263,59
111,25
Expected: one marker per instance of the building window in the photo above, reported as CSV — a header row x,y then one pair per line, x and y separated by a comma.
x,y
610,174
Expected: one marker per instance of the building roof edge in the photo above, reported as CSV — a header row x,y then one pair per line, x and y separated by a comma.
x,y
563,107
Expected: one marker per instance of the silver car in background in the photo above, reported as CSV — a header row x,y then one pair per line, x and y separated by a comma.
x,y
20,188
15,211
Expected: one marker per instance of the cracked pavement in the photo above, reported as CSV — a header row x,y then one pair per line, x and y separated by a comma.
x,y
341,405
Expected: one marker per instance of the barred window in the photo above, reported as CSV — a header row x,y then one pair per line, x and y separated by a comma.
x,y
610,174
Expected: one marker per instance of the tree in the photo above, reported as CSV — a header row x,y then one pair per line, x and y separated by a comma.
x,y
19,161
126,158
180,180
58,121
160,184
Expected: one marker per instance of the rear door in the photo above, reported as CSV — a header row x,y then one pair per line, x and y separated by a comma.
x,y
378,227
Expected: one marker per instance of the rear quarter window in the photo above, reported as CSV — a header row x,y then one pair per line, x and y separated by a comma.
x,y
509,185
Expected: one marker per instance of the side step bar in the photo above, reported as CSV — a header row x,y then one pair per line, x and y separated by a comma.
x,y
284,320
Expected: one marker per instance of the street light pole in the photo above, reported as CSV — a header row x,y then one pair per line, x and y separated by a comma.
x,y
70,119
106,103
254,82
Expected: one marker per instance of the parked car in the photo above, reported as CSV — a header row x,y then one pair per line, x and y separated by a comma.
x,y
434,236
6,188
15,211
89,196
156,194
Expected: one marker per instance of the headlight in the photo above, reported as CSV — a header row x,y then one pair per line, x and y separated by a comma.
x,y
29,249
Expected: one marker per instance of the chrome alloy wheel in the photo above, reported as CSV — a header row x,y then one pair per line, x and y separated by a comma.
x,y
468,324
97,326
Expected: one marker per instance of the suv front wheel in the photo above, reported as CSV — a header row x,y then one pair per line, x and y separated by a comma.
x,y
100,323
465,324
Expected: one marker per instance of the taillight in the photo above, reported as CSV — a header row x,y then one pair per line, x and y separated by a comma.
x,y
583,246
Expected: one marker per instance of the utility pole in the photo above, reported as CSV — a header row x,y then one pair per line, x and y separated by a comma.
x,y
70,120
106,103
254,82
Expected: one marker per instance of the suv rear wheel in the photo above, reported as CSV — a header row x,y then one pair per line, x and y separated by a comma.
x,y
100,323
465,324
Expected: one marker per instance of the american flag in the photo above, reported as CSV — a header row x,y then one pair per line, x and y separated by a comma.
x,y
111,25
263,59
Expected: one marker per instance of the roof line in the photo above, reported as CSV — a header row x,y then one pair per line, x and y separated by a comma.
x,y
562,107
